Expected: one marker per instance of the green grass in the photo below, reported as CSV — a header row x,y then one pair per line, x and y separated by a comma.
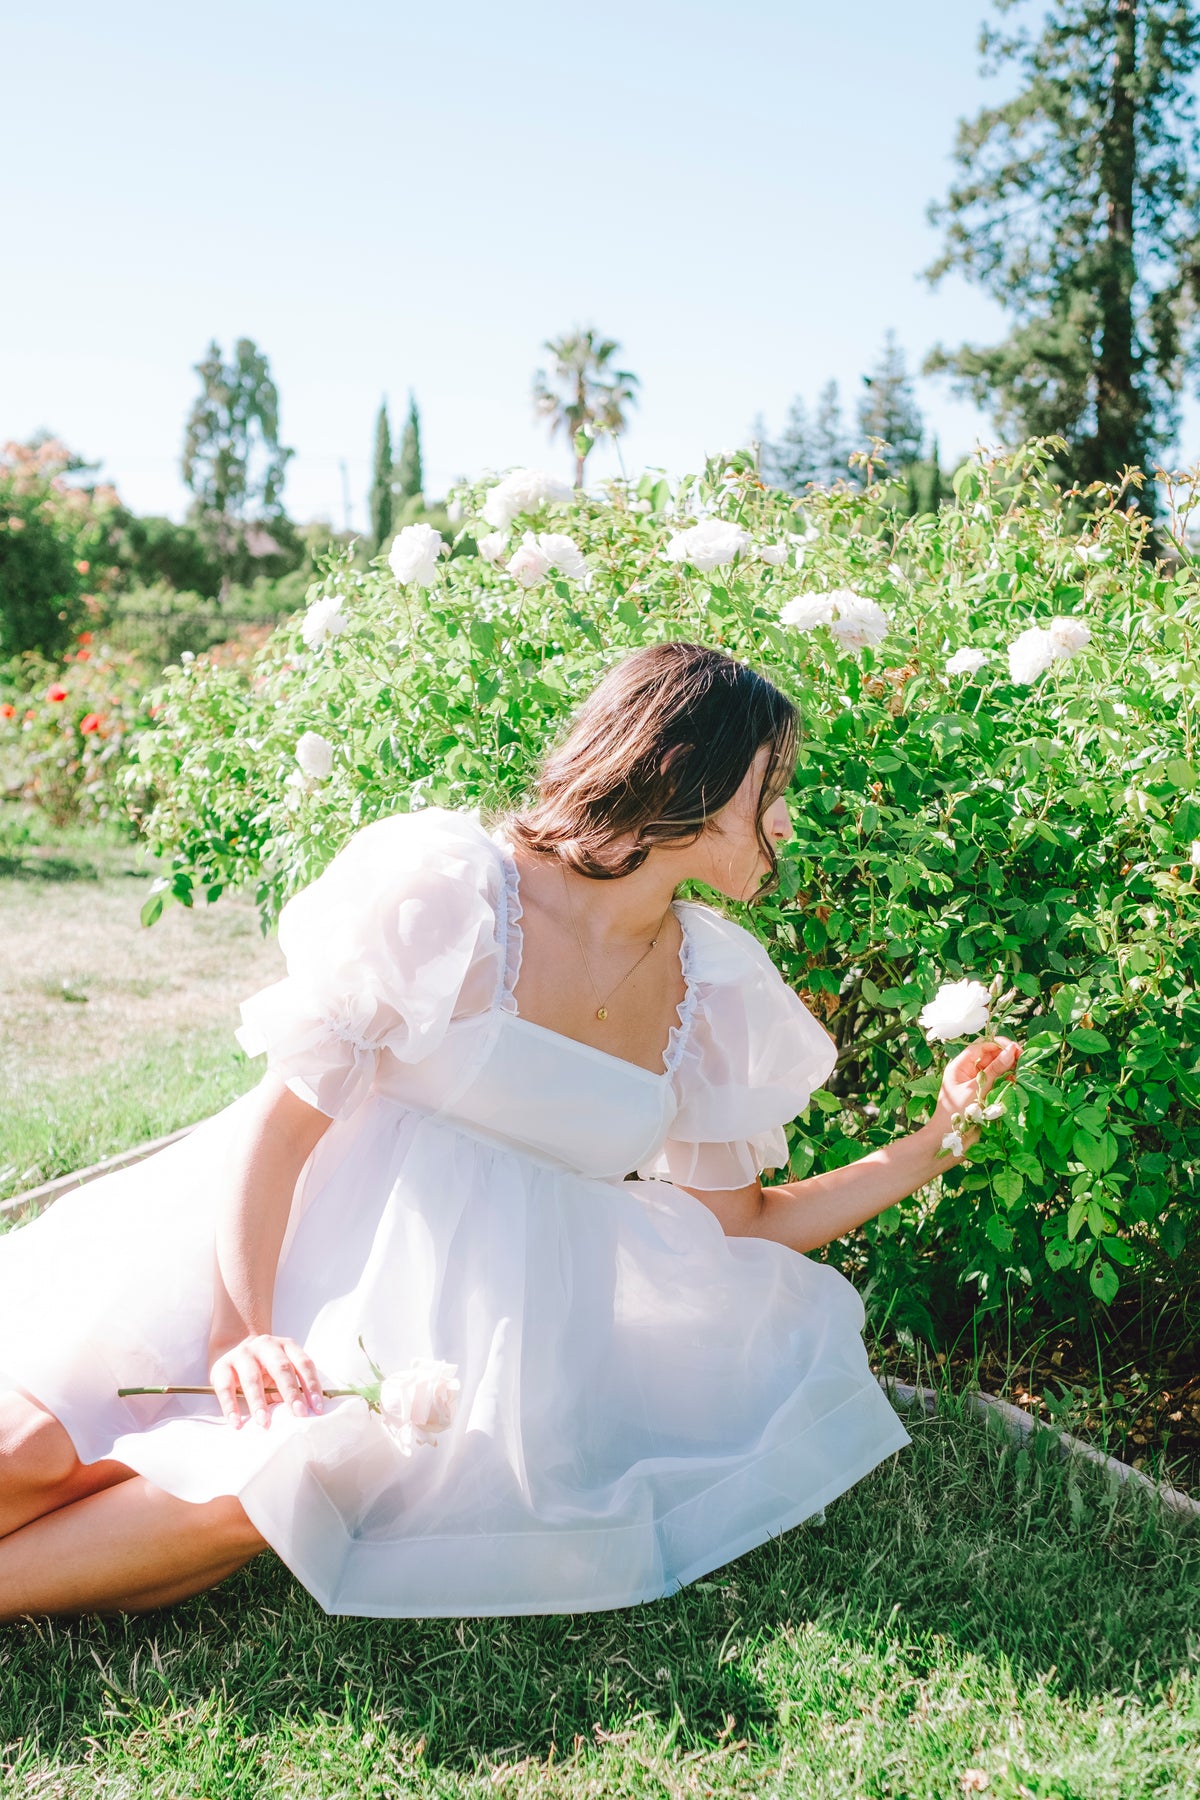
x,y
967,1606
55,1125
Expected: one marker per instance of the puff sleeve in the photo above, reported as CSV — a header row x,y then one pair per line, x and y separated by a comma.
x,y
752,1054
396,936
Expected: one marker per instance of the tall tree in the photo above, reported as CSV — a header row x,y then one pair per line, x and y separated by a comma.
x,y
889,409
379,501
594,394
410,477
788,461
830,449
811,449
233,461
1078,208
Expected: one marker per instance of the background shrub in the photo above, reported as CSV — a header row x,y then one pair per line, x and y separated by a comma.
x,y
946,826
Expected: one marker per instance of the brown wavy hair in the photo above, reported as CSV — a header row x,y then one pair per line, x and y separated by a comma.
x,y
660,744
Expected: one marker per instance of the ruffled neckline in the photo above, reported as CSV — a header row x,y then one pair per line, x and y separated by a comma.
x,y
512,945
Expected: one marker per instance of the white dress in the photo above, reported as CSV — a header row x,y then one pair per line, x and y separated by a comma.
x,y
642,1398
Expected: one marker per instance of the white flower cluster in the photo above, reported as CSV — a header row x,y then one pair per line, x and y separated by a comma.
x,y
709,545
1035,649
522,491
414,555
539,552
854,620
324,619
962,1009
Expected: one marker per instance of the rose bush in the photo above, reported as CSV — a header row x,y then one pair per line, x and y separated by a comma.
x,y
961,812
66,729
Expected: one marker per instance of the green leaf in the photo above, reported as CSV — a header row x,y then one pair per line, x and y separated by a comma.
x,y
1059,1253
1009,1185
152,910
1090,1042
1103,1280
998,1233
1181,775
1089,1151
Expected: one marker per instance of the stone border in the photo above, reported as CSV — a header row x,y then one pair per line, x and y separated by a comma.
x,y
1016,1424
50,1191
1021,1426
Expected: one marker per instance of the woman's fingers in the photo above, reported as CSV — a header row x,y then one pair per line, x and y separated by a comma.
x,y
278,1356
225,1382
250,1374
306,1369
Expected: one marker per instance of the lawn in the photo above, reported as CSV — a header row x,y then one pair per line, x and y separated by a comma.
x,y
968,1613
972,1617
112,1033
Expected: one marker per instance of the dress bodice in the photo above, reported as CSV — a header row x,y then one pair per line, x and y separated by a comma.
x,y
403,958
537,1091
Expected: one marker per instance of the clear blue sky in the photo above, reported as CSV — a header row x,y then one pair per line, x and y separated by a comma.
x,y
387,196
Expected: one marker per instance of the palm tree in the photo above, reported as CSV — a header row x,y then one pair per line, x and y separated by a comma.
x,y
596,395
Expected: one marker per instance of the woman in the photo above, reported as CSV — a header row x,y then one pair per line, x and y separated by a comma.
x,y
517,1103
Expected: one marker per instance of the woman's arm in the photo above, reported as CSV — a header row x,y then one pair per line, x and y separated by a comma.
x,y
278,1138
806,1214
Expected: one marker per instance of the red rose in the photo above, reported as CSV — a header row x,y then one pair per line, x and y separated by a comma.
x,y
92,722
83,656
85,637
83,567
7,711
56,692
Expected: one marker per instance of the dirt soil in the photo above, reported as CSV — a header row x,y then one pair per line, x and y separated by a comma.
x,y
1137,1403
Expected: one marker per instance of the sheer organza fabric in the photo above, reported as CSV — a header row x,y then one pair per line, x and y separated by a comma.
x,y
642,1397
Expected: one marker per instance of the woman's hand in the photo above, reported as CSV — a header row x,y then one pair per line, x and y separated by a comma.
x,y
968,1080
263,1363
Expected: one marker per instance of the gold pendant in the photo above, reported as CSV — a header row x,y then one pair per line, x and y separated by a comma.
x,y
602,1012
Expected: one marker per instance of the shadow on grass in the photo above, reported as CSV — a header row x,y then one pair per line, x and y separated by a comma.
x,y
963,1550
48,868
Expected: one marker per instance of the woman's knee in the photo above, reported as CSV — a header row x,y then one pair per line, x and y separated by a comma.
x,y
35,1449
230,1529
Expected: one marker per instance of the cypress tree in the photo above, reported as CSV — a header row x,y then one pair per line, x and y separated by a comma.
x,y
410,479
379,504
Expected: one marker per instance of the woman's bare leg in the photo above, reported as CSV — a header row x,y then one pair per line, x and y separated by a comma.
x,y
130,1548
39,1469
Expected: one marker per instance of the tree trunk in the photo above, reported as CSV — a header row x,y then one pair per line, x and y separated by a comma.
x,y
1120,436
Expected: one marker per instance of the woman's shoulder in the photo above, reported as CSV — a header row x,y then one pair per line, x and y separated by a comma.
x,y
723,952
730,967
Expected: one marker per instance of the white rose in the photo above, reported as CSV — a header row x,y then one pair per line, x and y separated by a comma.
x,y
994,1111
564,554
953,1142
529,563
414,555
1068,635
859,621
314,753
776,554
641,506
1086,551
492,545
522,491
807,611
419,1402
187,656
974,1112
958,1009
967,661
324,619
709,545
1030,655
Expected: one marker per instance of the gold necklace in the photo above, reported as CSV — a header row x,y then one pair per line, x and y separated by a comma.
x,y
602,1009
